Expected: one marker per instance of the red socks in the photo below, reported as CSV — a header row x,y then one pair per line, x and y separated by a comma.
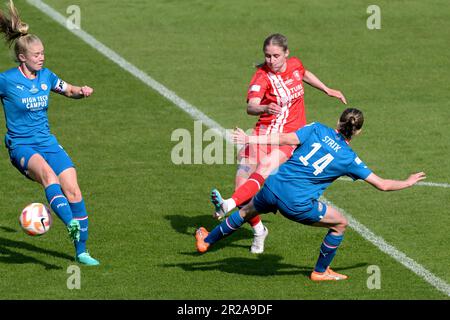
x,y
248,189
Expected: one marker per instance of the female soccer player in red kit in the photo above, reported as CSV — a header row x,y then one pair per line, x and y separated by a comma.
x,y
275,95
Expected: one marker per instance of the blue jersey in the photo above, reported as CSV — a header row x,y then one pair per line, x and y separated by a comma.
x,y
25,103
322,157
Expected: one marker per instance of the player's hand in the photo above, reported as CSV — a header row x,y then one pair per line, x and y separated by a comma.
x,y
273,108
416,177
238,136
336,94
86,91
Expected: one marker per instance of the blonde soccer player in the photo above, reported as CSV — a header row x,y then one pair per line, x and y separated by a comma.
x,y
33,149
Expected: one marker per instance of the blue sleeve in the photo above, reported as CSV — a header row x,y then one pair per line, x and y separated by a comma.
x,y
2,85
304,133
358,169
53,79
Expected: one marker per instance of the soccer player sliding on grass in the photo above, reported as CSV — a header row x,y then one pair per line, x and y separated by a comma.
x,y
322,156
33,150
275,94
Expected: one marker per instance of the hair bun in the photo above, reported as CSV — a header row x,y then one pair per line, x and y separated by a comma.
x,y
23,29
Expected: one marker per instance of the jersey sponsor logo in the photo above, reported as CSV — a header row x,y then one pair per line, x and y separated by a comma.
x,y
34,90
255,88
44,86
297,75
35,103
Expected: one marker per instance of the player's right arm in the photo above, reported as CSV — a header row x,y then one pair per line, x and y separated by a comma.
x,y
240,137
259,86
393,185
255,108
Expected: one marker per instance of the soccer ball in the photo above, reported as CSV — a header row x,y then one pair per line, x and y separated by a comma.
x,y
35,219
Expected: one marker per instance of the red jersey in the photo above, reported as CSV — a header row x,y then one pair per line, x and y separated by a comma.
x,y
286,90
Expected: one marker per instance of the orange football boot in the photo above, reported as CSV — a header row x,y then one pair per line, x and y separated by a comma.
x,y
328,275
200,236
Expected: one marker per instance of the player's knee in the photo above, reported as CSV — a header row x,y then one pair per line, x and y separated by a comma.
x,y
343,224
73,194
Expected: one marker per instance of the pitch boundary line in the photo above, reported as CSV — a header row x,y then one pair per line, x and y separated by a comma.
x,y
196,114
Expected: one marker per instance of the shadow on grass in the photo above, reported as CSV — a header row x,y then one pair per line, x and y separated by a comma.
x,y
263,265
187,225
9,255
7,229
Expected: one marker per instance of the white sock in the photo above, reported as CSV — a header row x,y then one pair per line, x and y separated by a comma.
x,y
258,229
228,205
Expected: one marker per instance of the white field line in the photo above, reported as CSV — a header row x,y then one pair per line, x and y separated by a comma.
x,y
196,114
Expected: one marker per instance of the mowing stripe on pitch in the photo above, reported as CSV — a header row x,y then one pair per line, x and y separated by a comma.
x,y
196,114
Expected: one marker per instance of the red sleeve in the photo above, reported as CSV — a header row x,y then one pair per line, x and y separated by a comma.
x,y
258,86
298,65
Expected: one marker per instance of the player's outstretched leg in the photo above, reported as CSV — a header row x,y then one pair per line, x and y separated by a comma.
x,y
204,239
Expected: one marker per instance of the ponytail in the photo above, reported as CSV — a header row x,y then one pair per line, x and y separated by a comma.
x,y
350,121
12,27
15,31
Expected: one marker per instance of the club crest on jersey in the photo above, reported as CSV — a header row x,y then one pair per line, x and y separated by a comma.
x,y
297,75
44,86
34,90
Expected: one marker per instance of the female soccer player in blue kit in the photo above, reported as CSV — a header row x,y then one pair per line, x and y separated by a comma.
x,y
33,150
323,155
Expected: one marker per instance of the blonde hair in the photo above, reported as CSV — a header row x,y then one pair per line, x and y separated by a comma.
x,y
16,31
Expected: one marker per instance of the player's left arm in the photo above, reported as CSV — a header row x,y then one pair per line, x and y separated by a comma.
x,y
69,90
240,137
393,185
312,80
76,92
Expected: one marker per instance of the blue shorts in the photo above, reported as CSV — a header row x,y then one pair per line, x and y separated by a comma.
x,y
55,155
266,201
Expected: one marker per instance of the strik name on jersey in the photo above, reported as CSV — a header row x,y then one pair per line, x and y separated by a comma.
x,y
333,144
38,102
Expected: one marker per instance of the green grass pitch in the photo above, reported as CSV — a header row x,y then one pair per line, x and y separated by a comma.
x,y
144,209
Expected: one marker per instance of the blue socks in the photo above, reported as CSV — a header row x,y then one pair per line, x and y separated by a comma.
x,y
80,214
227,227
58,202
328,250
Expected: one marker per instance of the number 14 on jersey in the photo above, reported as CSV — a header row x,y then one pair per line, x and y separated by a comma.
x,y
320,164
